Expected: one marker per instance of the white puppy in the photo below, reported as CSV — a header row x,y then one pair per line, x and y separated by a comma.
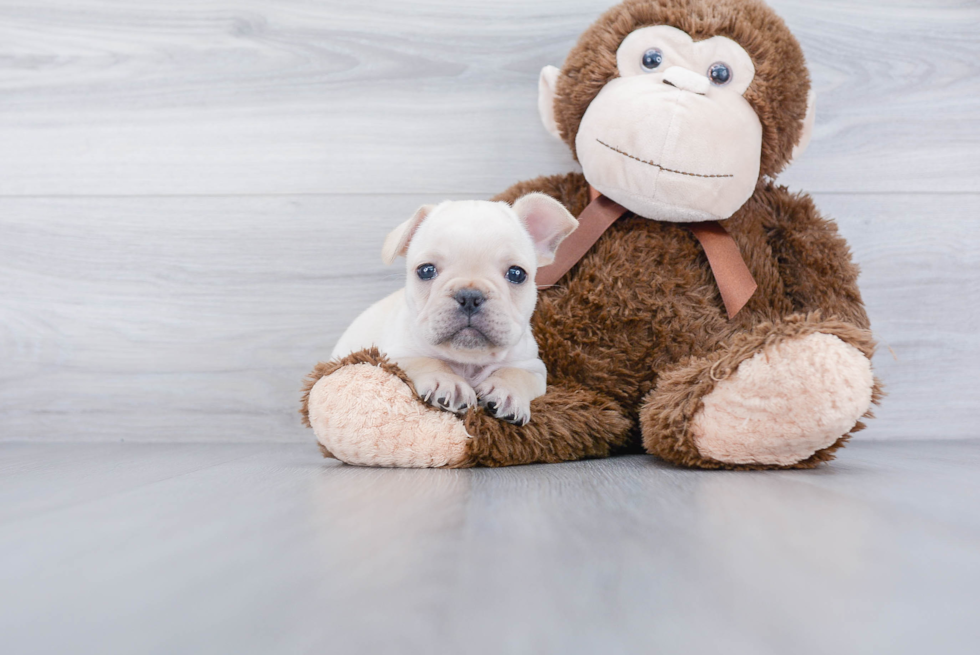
x,y
460,329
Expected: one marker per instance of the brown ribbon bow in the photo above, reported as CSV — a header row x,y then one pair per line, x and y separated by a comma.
x,y
734,280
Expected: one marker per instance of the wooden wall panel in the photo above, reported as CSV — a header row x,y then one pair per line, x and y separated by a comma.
x,y
288,97
193,194
196,318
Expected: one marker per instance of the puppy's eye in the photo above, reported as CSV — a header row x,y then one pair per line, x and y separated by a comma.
x,y
720,73
516,275
426,271
652,59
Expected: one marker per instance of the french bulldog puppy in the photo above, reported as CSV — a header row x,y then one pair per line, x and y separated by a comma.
x,y
460,328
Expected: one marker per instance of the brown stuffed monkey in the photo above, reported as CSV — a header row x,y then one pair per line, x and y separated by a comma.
x,y
681,113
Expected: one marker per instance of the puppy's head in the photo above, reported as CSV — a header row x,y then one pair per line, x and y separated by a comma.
x,y
470,270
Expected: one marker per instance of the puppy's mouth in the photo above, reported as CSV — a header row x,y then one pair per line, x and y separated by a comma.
x,y
478,332
469,338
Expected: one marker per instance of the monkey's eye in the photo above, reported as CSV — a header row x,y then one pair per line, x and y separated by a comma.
x,y
652,59
720,73
426,271
516,275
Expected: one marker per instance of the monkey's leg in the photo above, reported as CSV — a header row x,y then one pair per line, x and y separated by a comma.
x,y
785,395
364,410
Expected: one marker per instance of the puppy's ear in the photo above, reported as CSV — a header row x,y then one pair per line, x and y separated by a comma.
x,y
396,243
547,221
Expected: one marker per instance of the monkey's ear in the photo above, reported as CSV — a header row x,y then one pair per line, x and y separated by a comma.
x,y
807,132
396,243
546,99
547,221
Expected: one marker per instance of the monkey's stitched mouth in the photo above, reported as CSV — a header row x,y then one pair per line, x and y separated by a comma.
x,y
654,164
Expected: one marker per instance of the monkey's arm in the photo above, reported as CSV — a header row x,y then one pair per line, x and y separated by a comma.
x,y
814,260
364,410
569,422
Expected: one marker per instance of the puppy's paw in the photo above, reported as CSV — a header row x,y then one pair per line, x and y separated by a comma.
x,y
446,391
503,403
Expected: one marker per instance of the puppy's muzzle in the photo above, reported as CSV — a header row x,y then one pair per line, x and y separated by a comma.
x,y
470,300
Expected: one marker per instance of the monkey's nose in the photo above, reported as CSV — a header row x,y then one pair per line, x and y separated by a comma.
x,y
470,300
687,80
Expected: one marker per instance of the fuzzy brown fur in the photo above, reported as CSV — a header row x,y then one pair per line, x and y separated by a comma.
x,y
636,335
667,411
640,319
566,423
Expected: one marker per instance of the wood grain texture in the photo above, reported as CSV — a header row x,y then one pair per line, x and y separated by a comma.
x,y
920,263
36,481
179,319
293,96
179,292
269,549
194,319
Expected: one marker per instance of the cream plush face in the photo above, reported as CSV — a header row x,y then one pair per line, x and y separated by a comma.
x,y
470,268
666,141
671,138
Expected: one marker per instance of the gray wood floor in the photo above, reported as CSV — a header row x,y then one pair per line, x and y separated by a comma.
x,y
193,193
264,548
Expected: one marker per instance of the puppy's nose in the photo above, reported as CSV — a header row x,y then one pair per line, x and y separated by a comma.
x,y
469,300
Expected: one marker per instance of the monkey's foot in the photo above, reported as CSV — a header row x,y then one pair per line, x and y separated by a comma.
x,y
363,414
785,403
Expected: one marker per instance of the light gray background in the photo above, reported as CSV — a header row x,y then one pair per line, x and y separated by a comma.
x,y
193,194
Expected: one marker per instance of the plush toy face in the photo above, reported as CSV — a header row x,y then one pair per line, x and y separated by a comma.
x,y
681,125
672,138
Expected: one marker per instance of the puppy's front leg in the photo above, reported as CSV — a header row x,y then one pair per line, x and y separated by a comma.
x,y
437,385
508,392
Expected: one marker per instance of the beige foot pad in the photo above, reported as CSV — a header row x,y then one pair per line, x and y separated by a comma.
x,y
785,403
366,416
